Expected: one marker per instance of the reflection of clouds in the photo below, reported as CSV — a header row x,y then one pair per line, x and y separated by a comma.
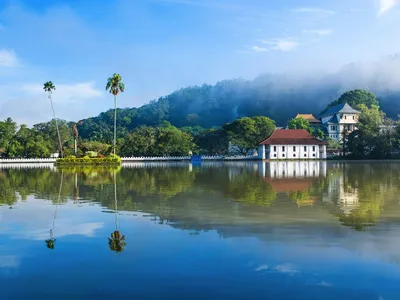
x,y
324,283
86,229
8,261
286,268
32,219
261,268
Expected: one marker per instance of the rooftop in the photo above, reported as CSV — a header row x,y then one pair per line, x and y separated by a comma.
x,y
340,108
292,137
309,117
290,185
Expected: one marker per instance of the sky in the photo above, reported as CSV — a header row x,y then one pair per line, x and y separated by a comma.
x,y
159,46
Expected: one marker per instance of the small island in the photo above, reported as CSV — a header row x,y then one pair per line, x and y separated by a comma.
x,y
72,160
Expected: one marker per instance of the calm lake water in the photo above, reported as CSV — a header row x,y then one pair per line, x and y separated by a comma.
x,y
283,230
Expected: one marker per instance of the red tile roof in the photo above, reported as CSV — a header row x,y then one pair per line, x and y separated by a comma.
x,y
292,137
290,184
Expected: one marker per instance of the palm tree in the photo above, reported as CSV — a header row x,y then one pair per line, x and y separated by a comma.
x,y
50,243
116,242
49,87
115,86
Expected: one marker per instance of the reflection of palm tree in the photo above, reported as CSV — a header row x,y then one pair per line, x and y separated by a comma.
x,y
116,242
50,242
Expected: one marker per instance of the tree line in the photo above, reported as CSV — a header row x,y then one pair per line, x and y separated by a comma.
x,y
377,135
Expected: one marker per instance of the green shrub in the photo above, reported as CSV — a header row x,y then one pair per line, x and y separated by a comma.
x,y
86,160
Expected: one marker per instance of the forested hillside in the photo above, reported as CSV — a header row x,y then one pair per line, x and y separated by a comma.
x,y
279,97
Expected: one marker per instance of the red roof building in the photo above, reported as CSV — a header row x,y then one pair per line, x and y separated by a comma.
x,y
292,144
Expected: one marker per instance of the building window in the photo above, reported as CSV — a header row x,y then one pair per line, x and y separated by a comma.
x,y
294,148
274,148
345,117
294,155
305,148
354,117
313,155
283,155
305,155
313,148
333,127
274,155
283,148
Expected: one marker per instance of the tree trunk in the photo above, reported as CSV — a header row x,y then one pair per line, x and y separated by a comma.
x,y
115,122
115,201
75,148
58,132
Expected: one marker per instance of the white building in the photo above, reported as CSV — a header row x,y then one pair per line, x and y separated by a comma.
x,y
339,119
293,144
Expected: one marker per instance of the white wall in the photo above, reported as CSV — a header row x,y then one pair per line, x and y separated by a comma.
x,y
293,169
299,152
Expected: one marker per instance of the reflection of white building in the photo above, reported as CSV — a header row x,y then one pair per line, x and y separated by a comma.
x,y
292,169
345,198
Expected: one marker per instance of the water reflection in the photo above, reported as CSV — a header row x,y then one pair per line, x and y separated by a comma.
x,y
355,194
116,242
280,226
50,243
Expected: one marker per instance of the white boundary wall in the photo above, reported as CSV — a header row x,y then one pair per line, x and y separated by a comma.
x,y
128,159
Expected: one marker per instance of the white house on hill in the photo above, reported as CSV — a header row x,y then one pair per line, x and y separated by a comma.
x,y
338,119
292,144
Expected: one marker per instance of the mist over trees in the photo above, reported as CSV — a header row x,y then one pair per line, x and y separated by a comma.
x,y
276,96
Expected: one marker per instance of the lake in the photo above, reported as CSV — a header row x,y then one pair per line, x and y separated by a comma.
x,y
240,230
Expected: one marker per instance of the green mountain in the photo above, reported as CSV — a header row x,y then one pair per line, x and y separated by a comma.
x,y
208,106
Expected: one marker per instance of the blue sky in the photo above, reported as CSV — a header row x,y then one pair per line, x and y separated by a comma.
x,y
161,45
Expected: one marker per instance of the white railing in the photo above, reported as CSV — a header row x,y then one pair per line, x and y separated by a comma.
x,y
27,160
149,158
131,159
27,166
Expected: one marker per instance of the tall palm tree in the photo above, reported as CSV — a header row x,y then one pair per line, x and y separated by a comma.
x,y
49,87
50,243
116,242
115,86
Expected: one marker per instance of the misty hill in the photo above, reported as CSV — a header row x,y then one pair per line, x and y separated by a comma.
x,y
277,96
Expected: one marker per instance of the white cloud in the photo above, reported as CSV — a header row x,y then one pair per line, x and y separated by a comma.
x,y
321,32
261,268
386,5
65,93
258,49
8,261
314,10
8,58
284,45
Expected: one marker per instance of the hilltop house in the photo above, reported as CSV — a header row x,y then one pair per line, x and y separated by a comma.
x,y
310,118
339,119
292,144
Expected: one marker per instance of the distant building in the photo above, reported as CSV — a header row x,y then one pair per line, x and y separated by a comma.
x,y
292,144
310,118
338,120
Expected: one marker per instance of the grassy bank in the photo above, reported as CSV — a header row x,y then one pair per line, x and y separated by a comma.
x,y
88,161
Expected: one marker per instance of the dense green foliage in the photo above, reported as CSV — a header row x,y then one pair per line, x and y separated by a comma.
x,y
355,99
166,140
86,160
376,136
301,123
246,133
